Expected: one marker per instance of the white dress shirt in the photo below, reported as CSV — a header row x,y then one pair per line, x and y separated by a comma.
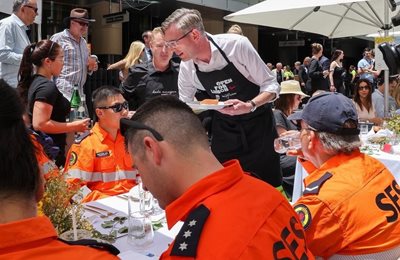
x,y
241,53
13,41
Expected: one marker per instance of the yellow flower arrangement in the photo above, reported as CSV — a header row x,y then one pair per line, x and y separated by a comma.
x,y
56,203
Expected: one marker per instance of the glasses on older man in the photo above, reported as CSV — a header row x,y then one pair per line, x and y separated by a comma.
x,y
174,43
117,107
83,24
35,9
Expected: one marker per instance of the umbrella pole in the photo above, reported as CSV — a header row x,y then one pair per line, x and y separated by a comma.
x,y
386,73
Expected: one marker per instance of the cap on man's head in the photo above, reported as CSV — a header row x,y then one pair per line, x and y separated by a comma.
x,y
80,14
328,112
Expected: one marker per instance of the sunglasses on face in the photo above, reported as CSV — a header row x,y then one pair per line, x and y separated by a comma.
x,y
117,107
81,23
126,124
35,9
363,88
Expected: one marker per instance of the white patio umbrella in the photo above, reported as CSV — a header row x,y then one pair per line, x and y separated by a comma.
x,y
332,18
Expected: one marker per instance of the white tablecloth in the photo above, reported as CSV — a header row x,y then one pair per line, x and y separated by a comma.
x,y
391,161
162,237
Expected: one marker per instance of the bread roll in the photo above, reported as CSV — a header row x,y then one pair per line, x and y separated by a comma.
x,y
209,101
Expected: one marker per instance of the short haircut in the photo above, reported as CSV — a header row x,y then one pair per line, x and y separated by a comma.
x,y
315,48
19,170
17,5
101,95
156,30
185,20
174,120
145,34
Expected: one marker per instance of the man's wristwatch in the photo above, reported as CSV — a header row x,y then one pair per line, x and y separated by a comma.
x,y
253,104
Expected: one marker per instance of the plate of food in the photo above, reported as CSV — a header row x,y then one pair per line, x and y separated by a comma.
x,y
206,104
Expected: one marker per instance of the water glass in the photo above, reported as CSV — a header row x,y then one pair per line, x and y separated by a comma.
x,y
140,230
287,142
363,129
145,200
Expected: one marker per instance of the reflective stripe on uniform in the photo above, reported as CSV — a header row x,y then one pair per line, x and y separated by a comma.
x,y
48,167
101,176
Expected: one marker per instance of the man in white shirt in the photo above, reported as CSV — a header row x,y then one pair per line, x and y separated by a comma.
x,y
13,38
228,68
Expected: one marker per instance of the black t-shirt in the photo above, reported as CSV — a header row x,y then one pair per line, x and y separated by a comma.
x,y
144,83
46,91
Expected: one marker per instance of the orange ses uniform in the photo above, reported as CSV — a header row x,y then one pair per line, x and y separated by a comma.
x,y
351,207
231,215
35,238
100,163
46,165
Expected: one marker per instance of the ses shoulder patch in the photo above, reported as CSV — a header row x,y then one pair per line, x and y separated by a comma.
x,y
304,215
73,157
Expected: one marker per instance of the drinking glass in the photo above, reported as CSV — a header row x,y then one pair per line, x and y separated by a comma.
x,y
287,142
140,229
363,129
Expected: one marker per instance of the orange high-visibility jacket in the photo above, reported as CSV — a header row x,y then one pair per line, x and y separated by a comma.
x,y
46,165
231,215
100,163
36,238
350,206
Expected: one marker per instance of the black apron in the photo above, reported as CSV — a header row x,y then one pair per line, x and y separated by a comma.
x,y
248,137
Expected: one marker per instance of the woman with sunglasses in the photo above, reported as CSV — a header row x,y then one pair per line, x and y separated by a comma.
x,y
46,106
363,102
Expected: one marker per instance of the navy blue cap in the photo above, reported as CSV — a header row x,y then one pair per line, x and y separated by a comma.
x,y
328,112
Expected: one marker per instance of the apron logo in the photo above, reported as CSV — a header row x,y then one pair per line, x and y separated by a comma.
x,y
221,86
103,154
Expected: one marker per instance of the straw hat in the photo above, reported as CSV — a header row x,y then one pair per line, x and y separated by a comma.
x,y
291,87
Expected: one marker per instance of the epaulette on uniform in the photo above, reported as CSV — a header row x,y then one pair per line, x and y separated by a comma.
x,y
188,238
82,136
314,187
94,244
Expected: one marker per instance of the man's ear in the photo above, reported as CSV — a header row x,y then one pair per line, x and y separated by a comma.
x,y
152,149
312,139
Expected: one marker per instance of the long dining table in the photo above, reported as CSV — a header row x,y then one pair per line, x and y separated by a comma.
x,y
391,161
118,206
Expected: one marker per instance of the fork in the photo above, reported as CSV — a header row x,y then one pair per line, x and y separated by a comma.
x,y
102,212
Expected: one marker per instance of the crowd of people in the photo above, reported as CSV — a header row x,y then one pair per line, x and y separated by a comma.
x,y
217,171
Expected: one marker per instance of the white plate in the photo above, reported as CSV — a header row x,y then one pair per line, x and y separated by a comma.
x,y
195,105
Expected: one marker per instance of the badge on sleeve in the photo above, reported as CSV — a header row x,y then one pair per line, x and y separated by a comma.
x,y
188,238
304,215
73,157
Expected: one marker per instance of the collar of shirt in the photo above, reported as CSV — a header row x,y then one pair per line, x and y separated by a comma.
x,y
330,165
198,192
216,56
151,70
19,21
26,231
68,34
103,134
